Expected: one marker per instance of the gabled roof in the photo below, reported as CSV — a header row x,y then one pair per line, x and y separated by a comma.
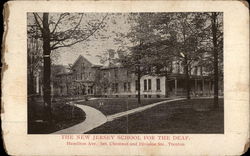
x,y
79,57
87,60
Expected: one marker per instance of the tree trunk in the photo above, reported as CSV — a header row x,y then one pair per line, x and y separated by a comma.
x,y
139,86
166,83
216,87
46,67
187,77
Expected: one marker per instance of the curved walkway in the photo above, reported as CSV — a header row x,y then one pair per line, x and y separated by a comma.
x,y
139,109
94,118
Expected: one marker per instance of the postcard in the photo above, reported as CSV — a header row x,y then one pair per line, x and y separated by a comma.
x,y
125,78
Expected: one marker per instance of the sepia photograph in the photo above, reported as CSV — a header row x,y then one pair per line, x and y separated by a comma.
x,y
125,73
125,78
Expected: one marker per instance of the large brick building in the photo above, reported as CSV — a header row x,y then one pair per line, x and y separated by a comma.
x,y
86,78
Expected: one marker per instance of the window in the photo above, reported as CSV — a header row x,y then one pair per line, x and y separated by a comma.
x,y
82,76
201,70
90,89
145,84
149,84
105,89
116,87
116,73
136,85
129,86
158,84
125,86
112,87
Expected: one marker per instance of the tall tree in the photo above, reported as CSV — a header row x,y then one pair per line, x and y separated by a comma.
x,y
135,63
213,45
217,46
140,35
190,29
66,31
164,46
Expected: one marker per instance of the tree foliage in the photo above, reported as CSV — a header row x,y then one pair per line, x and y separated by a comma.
x,y
160,39
58,31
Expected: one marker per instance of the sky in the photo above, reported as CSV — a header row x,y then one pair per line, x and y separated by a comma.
x,y
115,23
97,45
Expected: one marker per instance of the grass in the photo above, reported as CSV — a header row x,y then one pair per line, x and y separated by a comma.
x,y
62,117
186,116
116,105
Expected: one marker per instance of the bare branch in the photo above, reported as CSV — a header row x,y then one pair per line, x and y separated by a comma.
x,y
39,17
67,36
85,38
37,22
58,21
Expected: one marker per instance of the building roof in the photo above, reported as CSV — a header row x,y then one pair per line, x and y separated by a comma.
x,y
108,66
97,66
90,59
112,66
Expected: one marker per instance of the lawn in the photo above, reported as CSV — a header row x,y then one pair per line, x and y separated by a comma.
x,y
186,116
62,116
117,105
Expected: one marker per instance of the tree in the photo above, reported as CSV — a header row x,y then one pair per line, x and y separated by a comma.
x,y
190,30
164,46
34,66
34,61
162,59
138,59
66,31
213,47
217,47
108,56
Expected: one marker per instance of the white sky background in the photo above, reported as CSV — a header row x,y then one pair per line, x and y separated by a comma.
x,y
96,46
115,23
